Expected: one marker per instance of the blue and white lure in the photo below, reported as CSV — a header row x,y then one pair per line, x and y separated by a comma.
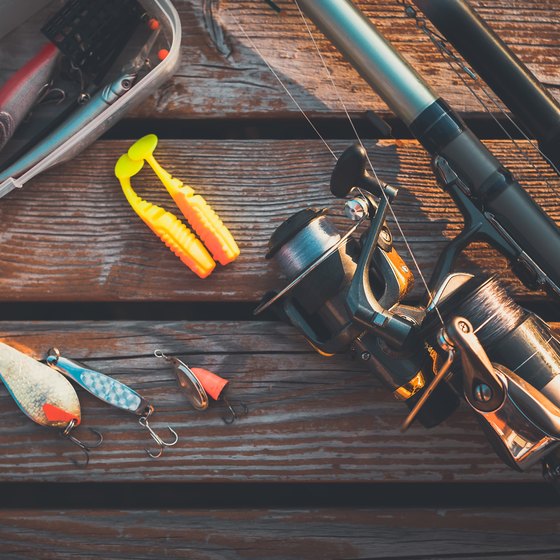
x,y
112,392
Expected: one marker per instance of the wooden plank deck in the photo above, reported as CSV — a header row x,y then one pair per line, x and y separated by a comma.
x,y
328,533
223,76
318,469
70,235
311,419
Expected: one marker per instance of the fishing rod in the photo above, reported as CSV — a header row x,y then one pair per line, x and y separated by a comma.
x,y
459,156
500,68
470,339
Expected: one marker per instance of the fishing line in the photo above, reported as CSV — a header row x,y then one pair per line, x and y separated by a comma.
x,y
482,325
451,58
532,355
258,51
337,91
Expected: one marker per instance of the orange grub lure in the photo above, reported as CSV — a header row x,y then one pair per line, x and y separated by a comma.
x,y
202,218
165,225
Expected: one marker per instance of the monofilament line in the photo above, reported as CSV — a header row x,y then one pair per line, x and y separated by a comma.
x,y
284,87
343,105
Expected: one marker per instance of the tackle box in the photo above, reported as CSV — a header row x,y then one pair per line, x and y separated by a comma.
x,y
19,44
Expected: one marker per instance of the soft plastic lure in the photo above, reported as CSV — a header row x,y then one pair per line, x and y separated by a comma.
x,y
112,392
169,228
200,215
42,393
178,237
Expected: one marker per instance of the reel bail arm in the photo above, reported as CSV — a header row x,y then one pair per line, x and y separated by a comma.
x,y
360,300
350,173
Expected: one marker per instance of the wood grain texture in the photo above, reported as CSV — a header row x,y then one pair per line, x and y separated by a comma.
x,y
407,534
223,73
70,235
312,419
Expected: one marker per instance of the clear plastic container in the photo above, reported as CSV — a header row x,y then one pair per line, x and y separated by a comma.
x,y
168,18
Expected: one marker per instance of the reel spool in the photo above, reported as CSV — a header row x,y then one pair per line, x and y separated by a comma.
x,y
510,335
510,370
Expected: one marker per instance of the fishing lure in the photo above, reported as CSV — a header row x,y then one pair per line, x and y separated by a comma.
x,y
178,237
42,394
112,392
205,222
199,383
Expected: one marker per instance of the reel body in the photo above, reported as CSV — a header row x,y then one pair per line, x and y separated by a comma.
x,y
471,340
322,266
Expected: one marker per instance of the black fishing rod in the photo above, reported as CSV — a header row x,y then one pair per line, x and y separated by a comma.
x,y
509,218
501,69
470,339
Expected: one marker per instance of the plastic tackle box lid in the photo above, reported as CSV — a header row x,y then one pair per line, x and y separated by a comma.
x,y
168,17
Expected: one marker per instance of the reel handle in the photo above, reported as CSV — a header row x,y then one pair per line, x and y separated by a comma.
x,y
350,171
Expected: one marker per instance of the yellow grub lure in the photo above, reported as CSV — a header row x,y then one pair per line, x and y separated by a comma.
x,y
192,251
43,394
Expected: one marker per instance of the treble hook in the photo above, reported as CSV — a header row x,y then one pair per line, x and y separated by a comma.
x,y
86,448
143,421
233,415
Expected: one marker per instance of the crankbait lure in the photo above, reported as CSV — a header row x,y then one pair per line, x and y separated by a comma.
x,y
199,383
112,392
42,394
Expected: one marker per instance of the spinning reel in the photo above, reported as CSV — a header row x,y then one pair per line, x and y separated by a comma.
x,y
345,294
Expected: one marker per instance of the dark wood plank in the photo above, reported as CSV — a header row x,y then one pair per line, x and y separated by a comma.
x,y
522,533
222,75
312,419
70,235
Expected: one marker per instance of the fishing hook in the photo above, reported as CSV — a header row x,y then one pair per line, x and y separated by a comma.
x,y
232,415
143,421
86,448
